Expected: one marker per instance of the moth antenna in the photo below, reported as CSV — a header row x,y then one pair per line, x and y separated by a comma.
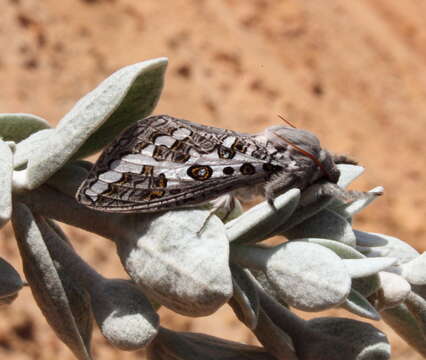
x,y
286,121
306,153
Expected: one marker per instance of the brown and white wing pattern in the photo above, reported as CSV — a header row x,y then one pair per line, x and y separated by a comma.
x,y
162,162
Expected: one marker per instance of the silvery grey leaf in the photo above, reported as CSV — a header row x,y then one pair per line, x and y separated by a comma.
x,y
367,286
6,169
327,338
46,285
261,220
122,312
417,306
358,268
26,147
303,213
18,126
325,224
407,326
348,173
274,339
376,245
343,250
394,290
266,285
58,230
127,95
306,276
244,301
414,271
181,264
359,305
10,281
348,210
170,345
356,340
60,249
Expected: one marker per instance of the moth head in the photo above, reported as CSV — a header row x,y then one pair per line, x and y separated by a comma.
x,y
307,144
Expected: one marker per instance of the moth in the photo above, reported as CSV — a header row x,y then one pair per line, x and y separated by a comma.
x,y
162,163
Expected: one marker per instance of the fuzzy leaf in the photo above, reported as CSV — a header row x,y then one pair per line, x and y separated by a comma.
x,y
274,339
359,305
363,341
303,213
25,149
367,286
358,268
406,325
45,282
348,210
127,95
306,276
170,345
261,220
17,127
244,301
6,168
417,306
327,225
377,245
348,173
395,289
10,281
181,264
415,270
343,250
123,313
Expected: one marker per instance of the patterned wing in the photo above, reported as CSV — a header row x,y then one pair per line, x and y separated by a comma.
x,y
162,162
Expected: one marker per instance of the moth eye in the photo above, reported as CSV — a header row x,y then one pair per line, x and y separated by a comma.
x,y
228,170
200,172
247,169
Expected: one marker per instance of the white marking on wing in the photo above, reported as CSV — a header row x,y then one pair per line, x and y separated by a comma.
x,y
91,194
148,150
229,141
126,167
98,187
165,140
110,176
181,133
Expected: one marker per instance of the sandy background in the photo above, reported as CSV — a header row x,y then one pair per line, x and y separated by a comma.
x,y
353,72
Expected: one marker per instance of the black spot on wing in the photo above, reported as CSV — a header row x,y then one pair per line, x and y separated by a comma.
x,y
200,172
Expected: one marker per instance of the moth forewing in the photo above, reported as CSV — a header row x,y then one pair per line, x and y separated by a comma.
x,y
162,162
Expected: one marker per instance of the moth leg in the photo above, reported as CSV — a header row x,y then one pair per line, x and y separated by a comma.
x,y
222,207
343,159
279,184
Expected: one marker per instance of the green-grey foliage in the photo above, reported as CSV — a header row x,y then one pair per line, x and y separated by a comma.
x,y
321,263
